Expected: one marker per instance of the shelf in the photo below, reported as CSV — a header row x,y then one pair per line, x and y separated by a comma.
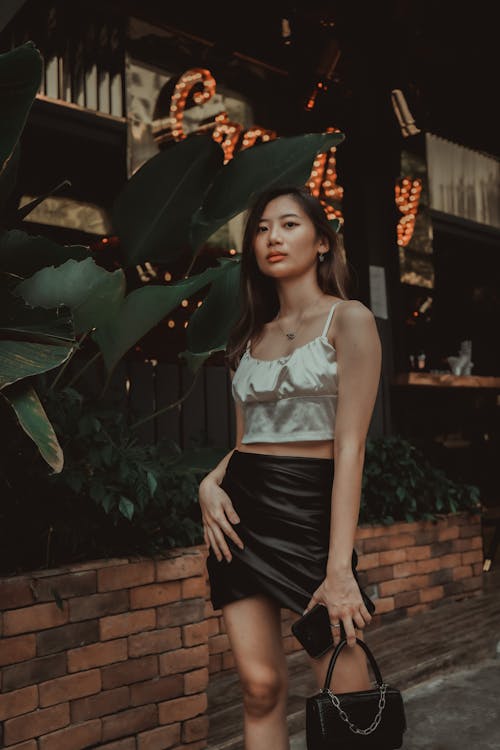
x,y
446,380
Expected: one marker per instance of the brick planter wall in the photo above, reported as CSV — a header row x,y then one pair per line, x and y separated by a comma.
x,y
121,664
405,568
116,654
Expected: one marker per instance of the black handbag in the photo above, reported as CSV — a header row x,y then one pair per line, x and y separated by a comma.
x,y
362,720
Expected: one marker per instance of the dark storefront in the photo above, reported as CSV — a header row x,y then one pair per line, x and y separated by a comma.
x,y
111,70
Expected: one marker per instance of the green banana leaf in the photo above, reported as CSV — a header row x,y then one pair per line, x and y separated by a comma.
x,y
210,324
33,419
284,161
20,77
144,308
32,340
92,293
152,214
24,254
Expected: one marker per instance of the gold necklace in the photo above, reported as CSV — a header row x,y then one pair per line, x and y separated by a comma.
x,y
292,334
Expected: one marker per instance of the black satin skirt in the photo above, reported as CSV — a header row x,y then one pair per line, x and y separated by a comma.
x,y
284,506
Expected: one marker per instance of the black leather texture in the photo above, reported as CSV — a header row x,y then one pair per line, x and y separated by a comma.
x,y
284,506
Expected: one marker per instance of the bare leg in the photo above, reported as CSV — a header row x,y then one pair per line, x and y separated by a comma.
x,y
350,672
253,626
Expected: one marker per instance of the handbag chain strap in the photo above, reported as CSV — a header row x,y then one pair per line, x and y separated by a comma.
x,y
376,720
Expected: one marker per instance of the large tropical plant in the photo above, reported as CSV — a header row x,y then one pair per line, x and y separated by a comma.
x,y
56,297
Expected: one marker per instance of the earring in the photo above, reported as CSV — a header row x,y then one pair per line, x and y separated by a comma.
x,y
321,257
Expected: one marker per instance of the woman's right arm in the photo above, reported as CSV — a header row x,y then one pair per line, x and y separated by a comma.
x,y
216,507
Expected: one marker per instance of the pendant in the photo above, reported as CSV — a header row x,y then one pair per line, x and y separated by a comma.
x,y
290,335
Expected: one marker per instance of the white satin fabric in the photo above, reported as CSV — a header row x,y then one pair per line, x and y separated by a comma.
x,y
290,398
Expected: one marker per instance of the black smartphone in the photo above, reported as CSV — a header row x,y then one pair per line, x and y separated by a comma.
x,y
314,632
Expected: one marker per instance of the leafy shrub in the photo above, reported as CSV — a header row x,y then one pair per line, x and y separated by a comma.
x,y
400,484
113,497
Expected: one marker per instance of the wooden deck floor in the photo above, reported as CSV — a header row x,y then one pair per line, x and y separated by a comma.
x,y
407,651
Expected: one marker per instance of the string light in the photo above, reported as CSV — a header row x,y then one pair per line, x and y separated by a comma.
x,y
407,200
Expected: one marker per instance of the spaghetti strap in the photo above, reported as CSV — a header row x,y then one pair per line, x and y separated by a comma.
x,y
330,316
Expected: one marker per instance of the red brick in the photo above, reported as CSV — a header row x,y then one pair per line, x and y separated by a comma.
x,y
195,681
184,566
463,545
451,560
154,595
99,564
375,575
133,670
463,571
181,613
430,565
213,626
405,569
98,605
97,655
28,745
183,659
156,690
384,604
159,739
126,744
73,737
15,592
105,702
218,644
201,745
476,542
391,556
367,531
475,555
401,541
129,722
18,702
431,593
470,529
387,588
418,553
194,634
69,687
406,598
474,582
127,623
37,617
70,584
33,671
17,649
182,708
448,532
126,576
195,729
67,637
154,642
36,723
367,561
214,663
477,567
443,575
193,587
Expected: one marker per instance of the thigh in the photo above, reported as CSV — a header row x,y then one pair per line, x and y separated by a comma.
x,y
253,625
351,668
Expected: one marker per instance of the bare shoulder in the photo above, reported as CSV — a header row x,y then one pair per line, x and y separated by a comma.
x,y
355,321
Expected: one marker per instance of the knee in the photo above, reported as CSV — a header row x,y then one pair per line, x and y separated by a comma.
x,y
263,690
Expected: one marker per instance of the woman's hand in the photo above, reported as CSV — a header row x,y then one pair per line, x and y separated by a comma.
x,y
216,511
340,593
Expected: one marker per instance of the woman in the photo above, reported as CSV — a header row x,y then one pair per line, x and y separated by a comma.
x,y
279,522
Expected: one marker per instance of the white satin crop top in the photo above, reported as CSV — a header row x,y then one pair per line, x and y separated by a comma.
x,y
291,398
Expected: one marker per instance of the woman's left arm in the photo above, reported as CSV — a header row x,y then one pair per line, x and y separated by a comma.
x,y
359,357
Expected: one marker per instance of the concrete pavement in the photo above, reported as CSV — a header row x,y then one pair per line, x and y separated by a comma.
x,y
456,710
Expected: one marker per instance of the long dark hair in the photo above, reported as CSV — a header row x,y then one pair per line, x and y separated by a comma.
x,y
259,298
